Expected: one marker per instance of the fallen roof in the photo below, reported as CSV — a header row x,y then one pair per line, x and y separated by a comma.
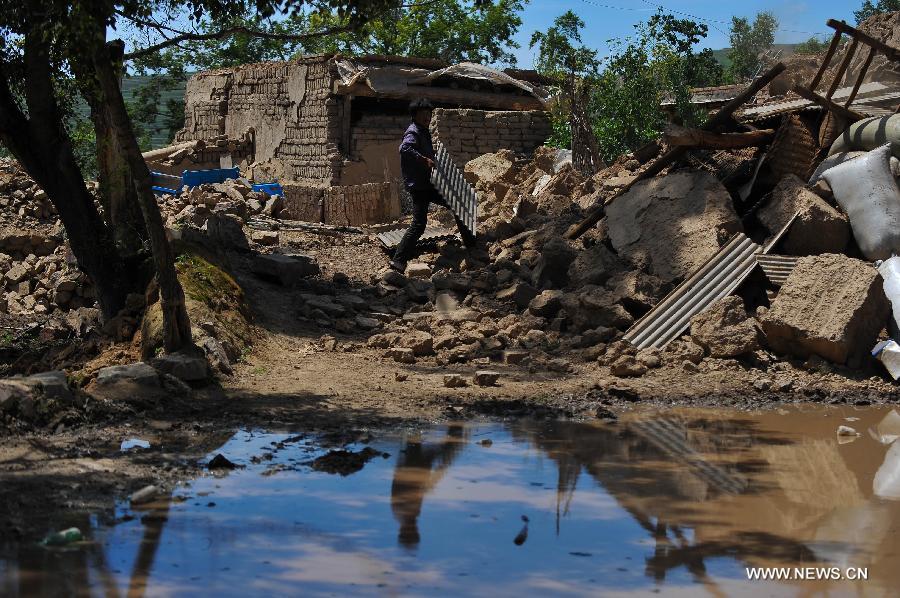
x,y
493,89
873,99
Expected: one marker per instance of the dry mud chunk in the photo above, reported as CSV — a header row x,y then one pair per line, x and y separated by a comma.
x,y
830,305
818,228
672,224
725,330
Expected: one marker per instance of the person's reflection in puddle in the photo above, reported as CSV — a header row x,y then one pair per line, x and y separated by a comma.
x,y
420,466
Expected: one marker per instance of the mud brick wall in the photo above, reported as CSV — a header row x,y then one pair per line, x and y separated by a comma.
x,y
468,134
297,122
303,202
373,129
354,205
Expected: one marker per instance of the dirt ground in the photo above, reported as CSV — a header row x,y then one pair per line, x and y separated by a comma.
x,y
289,382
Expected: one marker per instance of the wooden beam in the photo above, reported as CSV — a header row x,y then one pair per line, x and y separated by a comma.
x,y
827,60
676,136
842,69
859,78
842,27
460,97
719,118
851,115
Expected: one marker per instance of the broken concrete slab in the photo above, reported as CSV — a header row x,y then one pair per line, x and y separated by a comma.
x,y
286,269
725,329
672,225
830,305
818,227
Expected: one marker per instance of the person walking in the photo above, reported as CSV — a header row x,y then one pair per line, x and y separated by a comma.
x,y
416,164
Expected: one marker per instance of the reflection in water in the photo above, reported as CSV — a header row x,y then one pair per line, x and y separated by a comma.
x,y
694,497
420,466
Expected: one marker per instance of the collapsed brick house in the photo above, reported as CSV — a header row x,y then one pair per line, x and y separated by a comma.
x,y
327,127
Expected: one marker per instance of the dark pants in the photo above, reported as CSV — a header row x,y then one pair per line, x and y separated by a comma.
x,y
422,198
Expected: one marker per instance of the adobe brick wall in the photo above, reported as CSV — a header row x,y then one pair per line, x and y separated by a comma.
x,y
468,134
289,105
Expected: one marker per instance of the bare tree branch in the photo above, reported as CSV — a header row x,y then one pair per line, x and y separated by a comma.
x,y
183,37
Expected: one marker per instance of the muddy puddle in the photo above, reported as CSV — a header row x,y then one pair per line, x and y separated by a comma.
x,y
680,503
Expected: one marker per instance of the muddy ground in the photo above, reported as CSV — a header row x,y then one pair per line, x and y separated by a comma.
x,y
53,478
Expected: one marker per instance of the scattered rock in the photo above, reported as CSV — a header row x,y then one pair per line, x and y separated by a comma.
x,y
486,378
418,270
140,373
145,495
454,381
184,366
830,305
287,270
626,366
725,329
220,461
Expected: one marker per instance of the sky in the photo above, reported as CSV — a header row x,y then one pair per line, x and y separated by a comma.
x,y
610,19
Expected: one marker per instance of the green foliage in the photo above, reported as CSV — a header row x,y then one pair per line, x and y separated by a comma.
x,y
811,46
449,30
561,53
880,6
624,98
748,42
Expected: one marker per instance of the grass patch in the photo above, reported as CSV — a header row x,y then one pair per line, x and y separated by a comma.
x,y
207,283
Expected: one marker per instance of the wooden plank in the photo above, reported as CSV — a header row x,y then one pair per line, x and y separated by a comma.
x,y
860,77
675,135
842,69
842,27
827,60
717,119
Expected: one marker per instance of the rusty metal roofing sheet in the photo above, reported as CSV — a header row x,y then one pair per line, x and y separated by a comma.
x,y
391,238
776,267
717,278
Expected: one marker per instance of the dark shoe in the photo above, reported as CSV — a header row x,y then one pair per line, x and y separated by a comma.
x,y
398,266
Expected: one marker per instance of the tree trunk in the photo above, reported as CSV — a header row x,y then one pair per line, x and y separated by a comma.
x,y
42,146
176,326
117,189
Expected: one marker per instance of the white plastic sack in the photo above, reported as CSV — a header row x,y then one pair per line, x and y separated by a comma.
x,y
868,193
888,353
890,274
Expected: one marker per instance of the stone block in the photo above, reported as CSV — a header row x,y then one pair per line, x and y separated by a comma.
x,y
830,305
283,268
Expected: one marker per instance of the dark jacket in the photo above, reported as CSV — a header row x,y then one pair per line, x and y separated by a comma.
x,y
415,147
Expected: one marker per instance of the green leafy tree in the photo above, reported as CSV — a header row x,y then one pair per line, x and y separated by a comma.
x,y
448,30
880,6
624,100
748,42
563,57
46,44
811,46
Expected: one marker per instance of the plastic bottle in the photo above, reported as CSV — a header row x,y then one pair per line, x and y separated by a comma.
x,y
66,536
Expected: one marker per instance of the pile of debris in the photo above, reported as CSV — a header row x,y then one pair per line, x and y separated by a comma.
x,y
38,275
234,197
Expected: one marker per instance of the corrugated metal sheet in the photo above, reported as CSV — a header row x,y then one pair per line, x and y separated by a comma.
x,y
672,438
391,238
861,103
453,187
776,267
717,278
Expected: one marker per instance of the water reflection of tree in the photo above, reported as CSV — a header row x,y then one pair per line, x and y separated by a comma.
x,y
420,466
